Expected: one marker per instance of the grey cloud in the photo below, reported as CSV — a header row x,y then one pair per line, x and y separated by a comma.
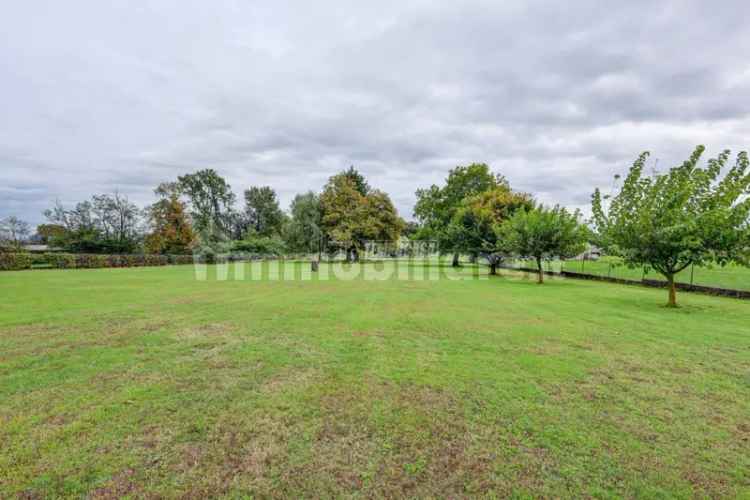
x,y
104,96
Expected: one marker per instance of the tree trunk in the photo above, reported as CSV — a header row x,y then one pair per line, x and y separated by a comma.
x,y
493,268
540,279
455,260
672,291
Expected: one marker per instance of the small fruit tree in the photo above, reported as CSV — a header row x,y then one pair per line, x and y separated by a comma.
x,y
689,215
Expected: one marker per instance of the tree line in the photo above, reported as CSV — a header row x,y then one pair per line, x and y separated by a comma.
x,y
666,222
691,214
199,212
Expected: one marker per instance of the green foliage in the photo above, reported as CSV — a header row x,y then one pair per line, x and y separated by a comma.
x,y
411,229
61,260
436,206
95,261
49,233
359,181
211,200
15,261
180,259
105,224
689,215
92,261
305,229
473,227
352,218
262,216
544,233
260,246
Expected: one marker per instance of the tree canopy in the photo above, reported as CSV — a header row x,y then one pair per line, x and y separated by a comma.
x,y
473,227
544,233
305,229
106,224
211,203
262,216
172,232
350,218
436,206
689,215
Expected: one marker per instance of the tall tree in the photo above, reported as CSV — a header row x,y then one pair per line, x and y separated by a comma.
x,y
359,181
263,217
106,224
211,203
352,218
14,231
544,233
118,221
436,206
689,215
49,233
171,230
473,227
305,230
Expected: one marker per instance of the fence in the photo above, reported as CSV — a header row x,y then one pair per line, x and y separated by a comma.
x,y
731,280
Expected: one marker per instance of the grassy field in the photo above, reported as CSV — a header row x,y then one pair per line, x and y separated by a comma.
x,y
144,381
732,276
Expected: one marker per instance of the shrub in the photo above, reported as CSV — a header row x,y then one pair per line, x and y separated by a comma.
x,y
155,260
180,259
15,261
61,260
91,261
116,260
260,246
38,259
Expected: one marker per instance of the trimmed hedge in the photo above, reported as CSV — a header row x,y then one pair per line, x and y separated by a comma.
x,y
19,261
61,260
180,259
15,261
97,261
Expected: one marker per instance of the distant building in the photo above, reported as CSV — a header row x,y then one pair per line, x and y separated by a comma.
x,y
37,248
591,253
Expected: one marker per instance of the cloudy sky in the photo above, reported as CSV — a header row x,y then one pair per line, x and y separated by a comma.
x,y
120,95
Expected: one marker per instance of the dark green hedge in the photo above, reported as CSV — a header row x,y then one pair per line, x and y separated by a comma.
x,y
94,261
15,261
19,261
61,260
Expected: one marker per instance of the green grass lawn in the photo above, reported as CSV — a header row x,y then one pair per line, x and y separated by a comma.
x,y
731,276
117,382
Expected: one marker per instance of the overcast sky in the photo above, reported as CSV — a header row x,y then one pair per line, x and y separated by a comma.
x,y
99,96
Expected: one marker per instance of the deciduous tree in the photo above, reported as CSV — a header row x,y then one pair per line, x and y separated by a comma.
x,y
689,215
436,206
305,229
544,233
352,218
211,203
171,230
49,233
106,224
13,231
262,213
473,227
